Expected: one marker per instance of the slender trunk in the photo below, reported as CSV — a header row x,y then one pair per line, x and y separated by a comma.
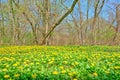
x,y
86,27
59,21
80,29
32,26
13,22
46,8
33,29
118,23
96,14
2,29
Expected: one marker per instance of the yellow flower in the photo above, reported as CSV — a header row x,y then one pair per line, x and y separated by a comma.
x,y
55,54
75,79
4,70
37,63
16,75
73,64
20,67
6,76
53,59
61,67
33,63
15,65
104,67
70,74
92,64
50,62
65,62
55,72
74,73
117,67
33,76
26,65
107,72
7,66
17,62
63,71
76,63
109,63
27,61
95,74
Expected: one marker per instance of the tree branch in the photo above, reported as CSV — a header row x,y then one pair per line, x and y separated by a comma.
x,y
59,21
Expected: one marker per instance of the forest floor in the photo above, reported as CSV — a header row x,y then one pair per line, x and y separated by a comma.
x,y
60,63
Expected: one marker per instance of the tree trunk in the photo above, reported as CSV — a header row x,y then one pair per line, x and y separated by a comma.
x,y
32,26
2,29
117,29
47,11
96,14
59,21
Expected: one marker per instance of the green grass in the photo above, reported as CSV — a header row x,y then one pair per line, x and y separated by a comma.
x,y
60,63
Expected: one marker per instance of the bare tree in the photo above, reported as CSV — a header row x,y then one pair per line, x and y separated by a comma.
x,y
59,21
96,14
46,17
117,29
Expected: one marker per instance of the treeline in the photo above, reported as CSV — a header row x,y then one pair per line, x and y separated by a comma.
x,y
59,22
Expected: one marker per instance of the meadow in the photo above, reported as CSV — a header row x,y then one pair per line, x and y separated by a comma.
x,y
60,63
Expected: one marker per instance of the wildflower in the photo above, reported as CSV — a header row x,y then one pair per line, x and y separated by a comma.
x,y
7,66
107,72
73,64
6,76
76,63
63,71
70,74
75,79
50,62
61,67
15,65
27,60
92,64
26,65
37,63
4,70
33,76
117,67
16,75
65,62
104,67
55,72
55,54
53,59
20,67
109,63
95,74
74,73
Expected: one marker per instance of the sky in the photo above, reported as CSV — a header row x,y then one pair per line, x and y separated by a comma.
x,y
4,0
103,13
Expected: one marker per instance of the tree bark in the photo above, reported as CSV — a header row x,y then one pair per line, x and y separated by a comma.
x,y
2,32
32,26
96,14
118,22
59,21
46,8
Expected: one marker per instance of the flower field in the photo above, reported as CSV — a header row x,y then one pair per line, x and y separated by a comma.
x,y
60,63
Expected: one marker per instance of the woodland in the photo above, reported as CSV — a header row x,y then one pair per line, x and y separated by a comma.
x,y
59,22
